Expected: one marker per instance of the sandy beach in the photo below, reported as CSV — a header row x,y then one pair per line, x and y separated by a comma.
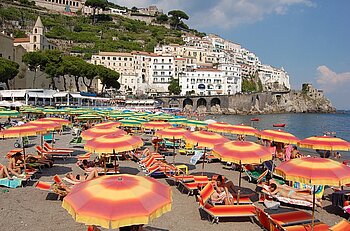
x,y
28,208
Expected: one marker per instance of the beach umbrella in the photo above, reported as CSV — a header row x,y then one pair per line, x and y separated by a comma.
x,y
20,132
95,132
196,123
89,117
278,136
205,139
219,127
242,152
172,133
156,125
325,143
54,111
113,143
241,129
117,201
108,124
9,113
130,123
180,121
56,120
314,171
47,126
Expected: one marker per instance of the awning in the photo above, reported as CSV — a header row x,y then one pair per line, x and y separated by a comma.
x,y
76,95
13,93
60,94
40,95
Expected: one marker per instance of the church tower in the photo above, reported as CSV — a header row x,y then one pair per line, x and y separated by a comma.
x,y
37,36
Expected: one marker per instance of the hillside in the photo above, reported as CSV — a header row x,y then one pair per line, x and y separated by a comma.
x,y
108,34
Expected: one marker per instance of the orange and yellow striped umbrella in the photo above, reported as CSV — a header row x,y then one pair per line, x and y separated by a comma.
x,y
315,171
172,133
57,120
241,129
46,125
242,152
96,132
156,125
219,127
205,139
325,143
278,136
117,201
108,124
113,143
21,131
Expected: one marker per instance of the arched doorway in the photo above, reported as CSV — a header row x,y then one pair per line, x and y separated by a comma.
x,y
174,103
201,102
187,101
215,101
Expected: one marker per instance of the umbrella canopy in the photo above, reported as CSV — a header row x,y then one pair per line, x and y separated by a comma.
x,y
325,143
56,120
89,117
315,171
242,152
196,123
205,139
241,129
21,131
117,201
108,124
95,132
178,121
219,127
113,143
46,125
54,111
172,133
278,136
9,113
156,125
130,123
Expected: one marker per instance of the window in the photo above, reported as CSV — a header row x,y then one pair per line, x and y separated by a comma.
x,y
114,58
35,39
35,31
103,58
108,58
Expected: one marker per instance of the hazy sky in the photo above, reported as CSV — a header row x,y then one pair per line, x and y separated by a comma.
x,y
310,39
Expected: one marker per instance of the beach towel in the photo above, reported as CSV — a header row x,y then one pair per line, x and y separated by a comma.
x,y
14,183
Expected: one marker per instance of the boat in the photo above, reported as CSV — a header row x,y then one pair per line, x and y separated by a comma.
x,y
254,119
279,125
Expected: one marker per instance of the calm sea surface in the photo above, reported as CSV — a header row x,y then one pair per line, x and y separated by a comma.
x,y
301,125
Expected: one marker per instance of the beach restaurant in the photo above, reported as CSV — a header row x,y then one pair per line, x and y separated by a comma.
x,y
42,97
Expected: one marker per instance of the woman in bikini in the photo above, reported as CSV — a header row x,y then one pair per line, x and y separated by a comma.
x,y
78,178
4,172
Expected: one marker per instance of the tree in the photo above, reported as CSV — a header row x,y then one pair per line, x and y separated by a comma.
x,y
134,9
8,71
73,66
162,18
174,87
108,77
176,17
96,4
89,72
53,67
35,61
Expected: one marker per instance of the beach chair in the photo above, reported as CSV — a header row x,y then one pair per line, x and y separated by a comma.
x,y
77,141
222,211
85,156
319,192
61,154
48,138
50,187
49,148
343,225
254,175
198,183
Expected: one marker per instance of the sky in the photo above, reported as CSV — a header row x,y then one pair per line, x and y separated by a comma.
x,y
309,39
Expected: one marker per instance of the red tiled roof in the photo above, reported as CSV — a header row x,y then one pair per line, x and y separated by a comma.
x,y
21,40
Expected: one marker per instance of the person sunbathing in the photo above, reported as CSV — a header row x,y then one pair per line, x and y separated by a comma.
x,y
289,192
221,197
4,172
78,178
61,189
16,164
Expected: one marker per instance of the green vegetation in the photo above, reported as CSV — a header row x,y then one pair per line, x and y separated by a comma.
x,y
251,84
174,87
121,34
58,66
96,4
176,17
8,71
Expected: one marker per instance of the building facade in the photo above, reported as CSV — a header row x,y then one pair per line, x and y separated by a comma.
x,y
61,5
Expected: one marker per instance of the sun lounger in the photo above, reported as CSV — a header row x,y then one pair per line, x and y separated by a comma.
x,y
191,187
343,225
47,186
286,200
85,156
221,211
62,154
48,147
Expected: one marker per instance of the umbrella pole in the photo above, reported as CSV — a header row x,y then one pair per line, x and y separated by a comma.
x,y
174,153
42,140
24,155
239,182
205,149
53,138
313,208
115,161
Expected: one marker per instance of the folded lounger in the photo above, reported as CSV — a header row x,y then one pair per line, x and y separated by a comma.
x,y
221,211
48,147
62,154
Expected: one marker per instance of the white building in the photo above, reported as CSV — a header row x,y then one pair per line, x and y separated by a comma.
x,y
61,5
36,40
273,78
210,81
162,70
